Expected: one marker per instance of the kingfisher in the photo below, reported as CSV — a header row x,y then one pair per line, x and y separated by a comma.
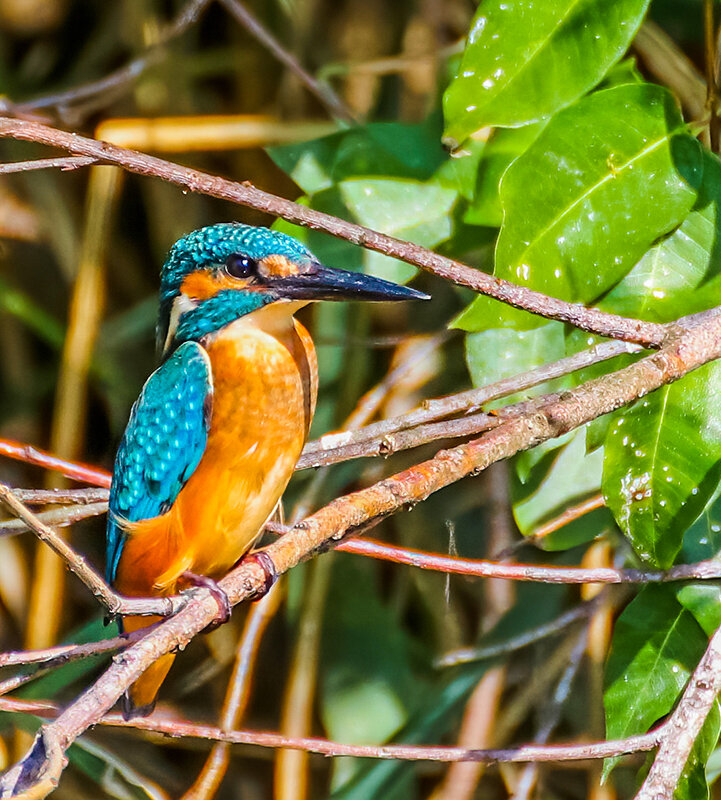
x,y
214,436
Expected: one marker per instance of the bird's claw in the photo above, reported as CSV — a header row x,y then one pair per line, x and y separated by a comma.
x,y
220,597
265,562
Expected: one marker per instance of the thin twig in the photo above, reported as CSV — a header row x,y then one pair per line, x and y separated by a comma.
x,y
709,37
589,319
465,655
480,568
79,497
236,700
384,437
71,469
63,163
551,715
59,517
679,733
176,729
321,90
115,603
123,77
64,653
688,349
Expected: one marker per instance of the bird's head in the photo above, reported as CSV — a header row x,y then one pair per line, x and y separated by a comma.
x,y
218,274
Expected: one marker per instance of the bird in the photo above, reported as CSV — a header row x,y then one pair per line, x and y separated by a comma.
x,y
213,438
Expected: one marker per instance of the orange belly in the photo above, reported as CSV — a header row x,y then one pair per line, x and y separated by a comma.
x,y
264,391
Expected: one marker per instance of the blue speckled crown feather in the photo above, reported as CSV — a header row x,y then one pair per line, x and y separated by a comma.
x,y
210,246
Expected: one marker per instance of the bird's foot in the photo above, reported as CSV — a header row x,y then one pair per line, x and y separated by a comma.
x,y
265,562
220,597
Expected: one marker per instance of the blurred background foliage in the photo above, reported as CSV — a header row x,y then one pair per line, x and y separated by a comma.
x,y
80,253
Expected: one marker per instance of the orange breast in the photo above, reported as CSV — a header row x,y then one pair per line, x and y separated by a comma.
x,y
265,386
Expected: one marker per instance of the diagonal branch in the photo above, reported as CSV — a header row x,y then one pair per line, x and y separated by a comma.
x,y
679,732
589,319
689,348
115,603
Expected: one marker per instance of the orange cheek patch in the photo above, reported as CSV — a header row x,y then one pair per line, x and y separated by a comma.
x,y
200,285
278,266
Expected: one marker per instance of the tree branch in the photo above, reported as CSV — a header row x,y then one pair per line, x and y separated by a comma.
x,y
122,77
407,752
115,603
679,732
322,91
689,348
589,319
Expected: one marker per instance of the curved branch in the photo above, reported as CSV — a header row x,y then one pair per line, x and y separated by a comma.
x,y
689,348
593,320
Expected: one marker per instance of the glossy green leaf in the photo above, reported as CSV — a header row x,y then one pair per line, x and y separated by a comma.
x,y
381,149
665,283
693,783
501,352
604,180
526,59
703,600
542,500
703,539
662,463
502,149
384,176
655,648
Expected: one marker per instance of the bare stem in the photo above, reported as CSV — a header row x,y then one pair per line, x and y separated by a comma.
x,y
589,319
115,603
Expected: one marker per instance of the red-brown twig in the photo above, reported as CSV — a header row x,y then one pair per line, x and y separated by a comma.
x,y
703,570
177,729
115,603
588,319
690,347
321,90
74,470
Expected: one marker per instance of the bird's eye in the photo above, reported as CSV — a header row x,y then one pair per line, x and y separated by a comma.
x,y
240,266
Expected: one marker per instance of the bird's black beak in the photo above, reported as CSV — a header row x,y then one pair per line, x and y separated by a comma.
x,y
325,283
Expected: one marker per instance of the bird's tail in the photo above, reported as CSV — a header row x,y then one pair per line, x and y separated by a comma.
x,y
139,700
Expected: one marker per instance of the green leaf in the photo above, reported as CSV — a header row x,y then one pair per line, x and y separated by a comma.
x,y
662,463
603,181
380,149
665,283
501,352
555,492
703,600
502,149
655,648
385,176
703,539
526,59
693,783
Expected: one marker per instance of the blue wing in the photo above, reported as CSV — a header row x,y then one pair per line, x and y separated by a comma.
x,y
162,444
